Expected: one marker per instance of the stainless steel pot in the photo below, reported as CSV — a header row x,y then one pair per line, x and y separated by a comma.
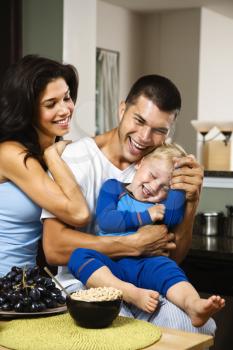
x,y
211,223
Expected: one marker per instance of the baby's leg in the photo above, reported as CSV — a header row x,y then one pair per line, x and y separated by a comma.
x,y
95,269
184,295
144,299
165,276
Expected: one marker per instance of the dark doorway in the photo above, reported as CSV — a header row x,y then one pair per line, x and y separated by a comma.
x,y
10,33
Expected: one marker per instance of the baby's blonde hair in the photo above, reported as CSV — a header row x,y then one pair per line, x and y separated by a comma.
x,y
167,151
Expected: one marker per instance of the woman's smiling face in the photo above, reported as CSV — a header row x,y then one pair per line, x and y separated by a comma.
x,y
55,109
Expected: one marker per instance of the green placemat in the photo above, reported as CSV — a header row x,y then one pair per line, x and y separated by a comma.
x,y
61,333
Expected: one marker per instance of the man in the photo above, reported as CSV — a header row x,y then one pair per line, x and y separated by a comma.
x,y
146,117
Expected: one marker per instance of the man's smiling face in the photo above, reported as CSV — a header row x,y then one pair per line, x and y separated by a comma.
x,y
143,127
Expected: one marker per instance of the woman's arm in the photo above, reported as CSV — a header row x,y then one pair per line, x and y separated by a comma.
x,y
109,218
65,199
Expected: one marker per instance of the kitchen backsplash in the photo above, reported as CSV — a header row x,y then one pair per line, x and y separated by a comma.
x,y
215,199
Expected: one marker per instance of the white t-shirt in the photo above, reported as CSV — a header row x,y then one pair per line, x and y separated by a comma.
x,y
91,168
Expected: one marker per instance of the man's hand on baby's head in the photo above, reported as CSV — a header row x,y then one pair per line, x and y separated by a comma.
x,y
188,176
157,212
188,161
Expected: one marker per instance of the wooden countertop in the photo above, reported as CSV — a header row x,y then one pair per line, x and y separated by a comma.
x,y
176,340
173,339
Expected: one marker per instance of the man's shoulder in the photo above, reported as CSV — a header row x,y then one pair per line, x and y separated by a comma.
x,y
82,150
84,144
87,161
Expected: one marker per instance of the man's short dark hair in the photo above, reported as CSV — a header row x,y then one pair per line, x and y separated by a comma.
x,y
160,90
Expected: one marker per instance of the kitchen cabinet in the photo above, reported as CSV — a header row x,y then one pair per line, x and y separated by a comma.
x,y
209,267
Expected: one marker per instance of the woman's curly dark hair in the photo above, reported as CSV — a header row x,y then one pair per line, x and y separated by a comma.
x,y
20,89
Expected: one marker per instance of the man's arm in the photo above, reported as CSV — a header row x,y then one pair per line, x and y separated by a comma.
x,y
59,241
188,176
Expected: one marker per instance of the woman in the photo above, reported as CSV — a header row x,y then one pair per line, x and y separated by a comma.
x,y
37,97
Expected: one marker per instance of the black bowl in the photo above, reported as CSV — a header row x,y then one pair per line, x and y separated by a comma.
x,y
93,314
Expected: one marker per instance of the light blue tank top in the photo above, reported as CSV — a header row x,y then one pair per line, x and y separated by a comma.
x,y
20,228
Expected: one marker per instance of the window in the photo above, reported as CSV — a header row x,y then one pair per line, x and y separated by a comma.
x,y
107,90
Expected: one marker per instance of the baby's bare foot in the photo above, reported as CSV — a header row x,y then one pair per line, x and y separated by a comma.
x,y
202,309
145,299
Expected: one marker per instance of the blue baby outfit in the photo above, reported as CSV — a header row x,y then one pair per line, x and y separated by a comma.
x,y
20,228
118,213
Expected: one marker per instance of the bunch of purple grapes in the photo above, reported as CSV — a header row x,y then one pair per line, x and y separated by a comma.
x,y
26,290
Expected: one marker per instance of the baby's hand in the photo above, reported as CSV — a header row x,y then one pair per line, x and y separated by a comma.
x,y
157,212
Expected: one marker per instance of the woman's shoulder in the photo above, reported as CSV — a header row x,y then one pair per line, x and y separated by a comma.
x,y
11,153
10,148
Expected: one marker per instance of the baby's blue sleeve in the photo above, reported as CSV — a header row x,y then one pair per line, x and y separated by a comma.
x,y
174,207
109,218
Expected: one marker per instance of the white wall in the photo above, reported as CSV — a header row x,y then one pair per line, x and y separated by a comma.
x,y
171,48
216,67
120,30
151,44
156,43
89,24
79,48
192,47
215,72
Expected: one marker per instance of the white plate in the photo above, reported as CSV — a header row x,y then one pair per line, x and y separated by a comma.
x,y
47,312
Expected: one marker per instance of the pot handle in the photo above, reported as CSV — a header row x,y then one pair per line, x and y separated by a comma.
x,y
229,210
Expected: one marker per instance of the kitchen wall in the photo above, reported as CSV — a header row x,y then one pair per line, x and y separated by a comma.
x,y
66,30
43,28
156,43
193,47
216,68
167,40
215,199
79,48
126,29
